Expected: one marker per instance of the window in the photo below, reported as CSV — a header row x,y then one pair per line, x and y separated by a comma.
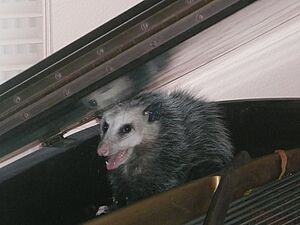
x,y
22,41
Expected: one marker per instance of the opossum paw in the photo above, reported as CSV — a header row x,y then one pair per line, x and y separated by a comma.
x,y
104,209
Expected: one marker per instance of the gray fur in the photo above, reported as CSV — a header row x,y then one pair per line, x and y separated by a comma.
x,y
190,141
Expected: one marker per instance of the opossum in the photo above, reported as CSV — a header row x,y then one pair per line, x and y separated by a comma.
x,y
128,84
158,141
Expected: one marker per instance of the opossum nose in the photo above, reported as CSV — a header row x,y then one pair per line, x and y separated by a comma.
x,y
103,150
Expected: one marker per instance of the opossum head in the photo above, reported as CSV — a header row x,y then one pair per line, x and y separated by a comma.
x,y
125,127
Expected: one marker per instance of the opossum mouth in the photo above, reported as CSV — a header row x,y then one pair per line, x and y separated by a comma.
x,y
114,161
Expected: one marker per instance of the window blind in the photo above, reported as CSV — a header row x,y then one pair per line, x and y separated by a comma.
x,y
21,36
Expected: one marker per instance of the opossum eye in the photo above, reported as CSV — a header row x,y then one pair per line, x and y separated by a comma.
x,y
125,129
105,126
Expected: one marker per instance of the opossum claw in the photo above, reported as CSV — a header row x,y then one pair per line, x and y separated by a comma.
x,y
104,209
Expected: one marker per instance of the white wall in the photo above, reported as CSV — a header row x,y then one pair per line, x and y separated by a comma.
x,y
71,19
254,53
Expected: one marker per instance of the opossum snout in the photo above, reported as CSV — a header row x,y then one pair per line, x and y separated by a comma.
x,y
103,150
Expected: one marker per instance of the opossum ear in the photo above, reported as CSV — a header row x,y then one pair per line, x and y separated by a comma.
x,y
153,111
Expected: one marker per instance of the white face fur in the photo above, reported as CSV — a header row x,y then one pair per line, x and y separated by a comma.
x,y
122,130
